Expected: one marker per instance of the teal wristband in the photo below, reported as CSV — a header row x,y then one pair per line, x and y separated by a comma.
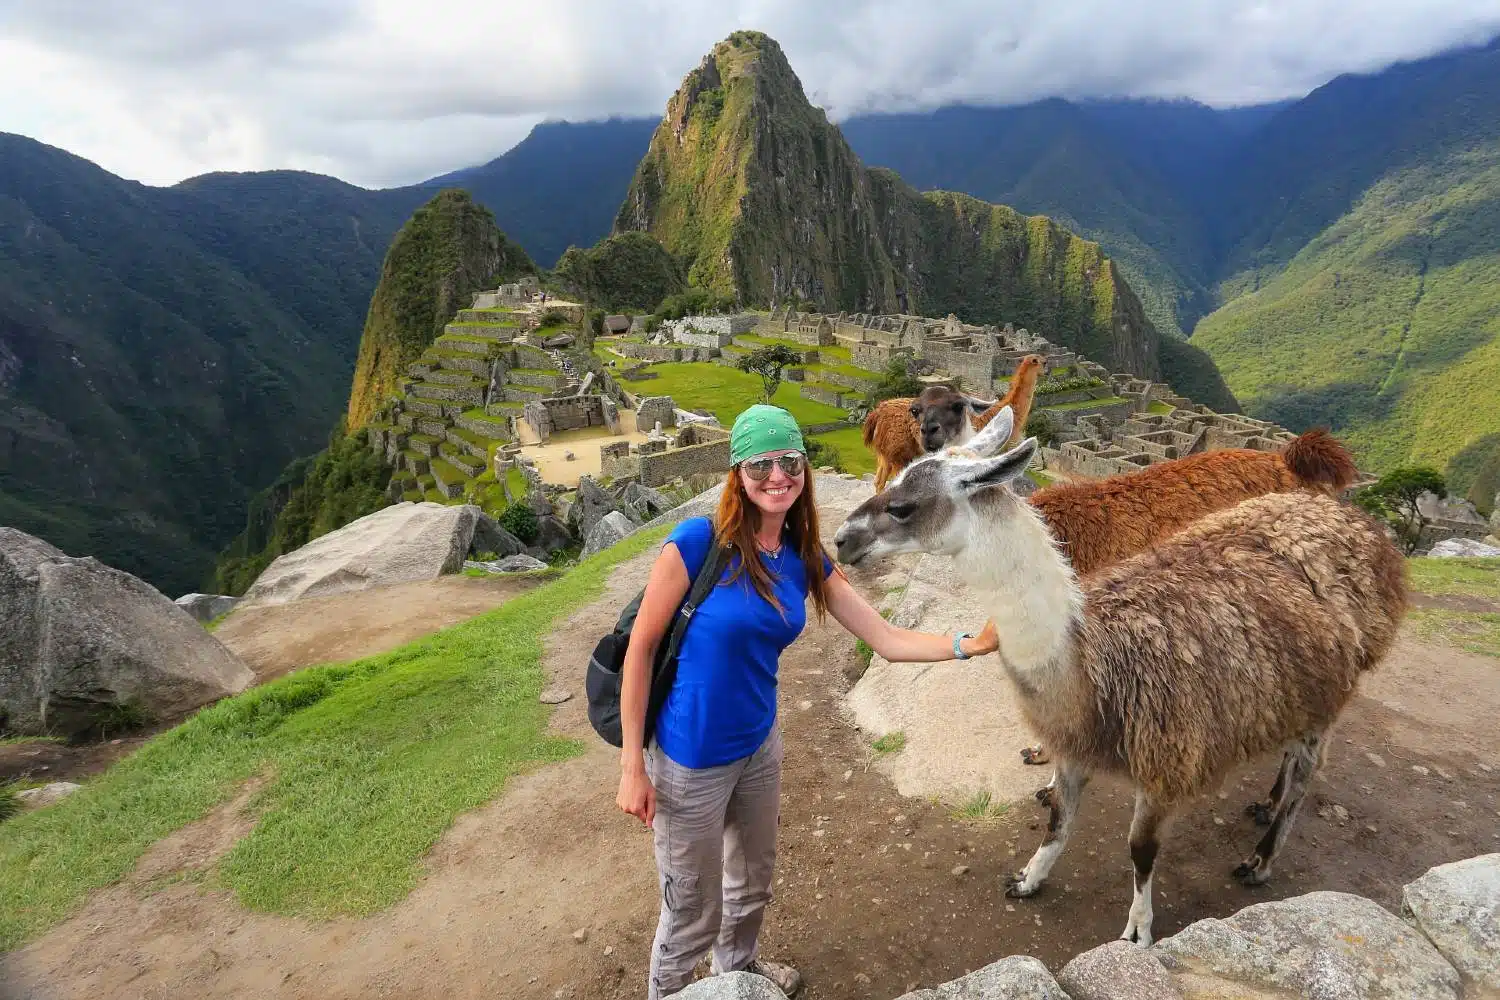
x,y
959,654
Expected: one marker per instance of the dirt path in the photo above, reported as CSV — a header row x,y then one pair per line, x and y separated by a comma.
x,y
872,895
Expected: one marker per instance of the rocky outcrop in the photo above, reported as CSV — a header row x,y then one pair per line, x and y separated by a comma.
x,y
1466,548
403,543
84,642
611,528
206,607
1321,946
489,536
510,564
1457,906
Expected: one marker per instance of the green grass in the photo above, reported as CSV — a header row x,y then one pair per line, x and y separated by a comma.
x,y
516,482
726,392
1157,406
893,742
981,806
16,740
1467,577
753,340
1474,631
10,804
1085,404
366,764
855,458
536,371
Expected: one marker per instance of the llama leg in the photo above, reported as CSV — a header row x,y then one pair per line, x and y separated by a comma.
x,y
1044,794
1307,757
1036,754
1263,812
1146,829
1064,804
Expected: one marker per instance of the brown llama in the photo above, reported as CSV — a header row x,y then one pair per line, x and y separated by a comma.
x,y
1245,632
899,431
1099,522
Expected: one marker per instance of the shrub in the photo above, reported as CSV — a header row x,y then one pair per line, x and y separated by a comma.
x,y
896,383
10,803
694,302
520,520
820,454
1041,426
556,317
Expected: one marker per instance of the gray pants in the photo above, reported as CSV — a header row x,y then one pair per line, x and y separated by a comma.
x,y
715,833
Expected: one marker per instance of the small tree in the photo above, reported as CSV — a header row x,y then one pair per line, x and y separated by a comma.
x,y
1041,426
767,362
1394,500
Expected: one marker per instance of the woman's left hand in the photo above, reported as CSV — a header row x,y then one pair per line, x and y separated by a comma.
x,y
987,641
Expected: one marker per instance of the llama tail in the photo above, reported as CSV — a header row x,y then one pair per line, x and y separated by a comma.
x,y
872,421
1320,460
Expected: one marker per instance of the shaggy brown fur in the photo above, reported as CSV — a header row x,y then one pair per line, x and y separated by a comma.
x,y
1247,629
892,434
1100,522
1018,397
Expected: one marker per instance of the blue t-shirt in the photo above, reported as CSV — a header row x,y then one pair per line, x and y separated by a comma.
x,y
723,704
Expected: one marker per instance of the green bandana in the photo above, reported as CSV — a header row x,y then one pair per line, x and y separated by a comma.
x,y
763,428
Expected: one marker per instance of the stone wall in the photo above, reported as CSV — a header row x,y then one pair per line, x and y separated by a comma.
x,y
665,352
653,409
616,461
665,466
574,412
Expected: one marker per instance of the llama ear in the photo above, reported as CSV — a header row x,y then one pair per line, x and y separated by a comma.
x,y
995,434
979,405
975,476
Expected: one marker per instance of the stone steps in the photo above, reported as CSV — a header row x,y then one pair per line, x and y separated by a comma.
x,y
426,444
448,376
422,408
448,479
497,316
470,395
466,463
415,462
483,331
492,427
465,344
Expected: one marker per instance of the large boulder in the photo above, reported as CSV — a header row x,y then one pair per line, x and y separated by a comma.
x,y
732,986
1323,944
403,543
1458,907
1468,548
644,503
613,527
591,507
1118,971
1019,977
551,535
489,536
206,607
84,642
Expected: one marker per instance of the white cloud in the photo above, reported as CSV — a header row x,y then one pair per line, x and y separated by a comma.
x,y
386,91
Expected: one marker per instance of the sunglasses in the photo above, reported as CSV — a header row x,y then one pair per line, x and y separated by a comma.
x,y
759,468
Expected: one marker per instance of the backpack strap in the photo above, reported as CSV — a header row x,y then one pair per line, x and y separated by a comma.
x,y
703,584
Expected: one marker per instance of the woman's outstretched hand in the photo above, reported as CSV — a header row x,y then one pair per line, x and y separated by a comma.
x,y
637,795
987,641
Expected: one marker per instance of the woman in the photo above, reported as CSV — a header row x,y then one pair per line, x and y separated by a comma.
x,y
709,782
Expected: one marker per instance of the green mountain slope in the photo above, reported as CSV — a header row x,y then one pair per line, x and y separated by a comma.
x,y
449,249
150,380
1054,159
1386,325
758,196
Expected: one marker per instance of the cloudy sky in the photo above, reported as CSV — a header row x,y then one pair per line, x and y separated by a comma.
x,y
383,92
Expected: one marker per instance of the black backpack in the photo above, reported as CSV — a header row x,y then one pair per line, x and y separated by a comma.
x,y
608,660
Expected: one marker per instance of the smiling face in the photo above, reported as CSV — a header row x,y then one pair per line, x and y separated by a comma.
x,y
779,490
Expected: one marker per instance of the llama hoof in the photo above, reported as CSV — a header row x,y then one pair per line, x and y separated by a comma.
x,y
1137,935
1015,887
1044,796
1259,812
1035,755
1250,873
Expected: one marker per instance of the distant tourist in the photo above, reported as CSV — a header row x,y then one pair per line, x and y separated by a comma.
x,y
712,762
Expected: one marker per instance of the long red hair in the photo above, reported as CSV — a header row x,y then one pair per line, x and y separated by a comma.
x,y
738,520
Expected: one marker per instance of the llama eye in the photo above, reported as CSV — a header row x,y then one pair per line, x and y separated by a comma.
x,y
901,511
